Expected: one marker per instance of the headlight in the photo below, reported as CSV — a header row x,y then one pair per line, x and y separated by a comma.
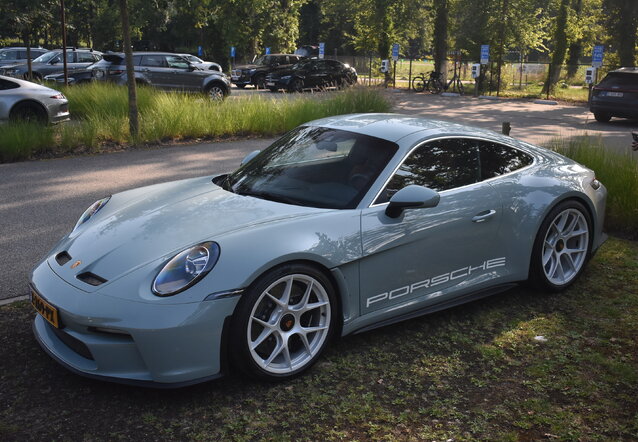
x,y
99,73
186,268
88,213
286,77
252,71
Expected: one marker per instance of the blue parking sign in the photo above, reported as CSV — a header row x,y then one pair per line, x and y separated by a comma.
x,y
232,51
395,51
268,51
322,49
485,54
200,51
597,56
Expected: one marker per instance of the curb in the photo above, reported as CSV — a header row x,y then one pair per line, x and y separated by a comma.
x,y
14,299
450,94
550,102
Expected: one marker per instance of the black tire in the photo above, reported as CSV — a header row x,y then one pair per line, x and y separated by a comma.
x,y
602,117
283,336
216,91
418,84
553,246
296,85
260,81
29,113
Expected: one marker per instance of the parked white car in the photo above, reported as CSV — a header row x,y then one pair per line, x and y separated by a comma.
x,y
22,100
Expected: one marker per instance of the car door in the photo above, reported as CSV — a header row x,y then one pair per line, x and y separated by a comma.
x,y
182,76
155,70
430,255
318,74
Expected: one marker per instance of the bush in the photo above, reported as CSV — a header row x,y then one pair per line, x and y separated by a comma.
x,y
100,114
618,172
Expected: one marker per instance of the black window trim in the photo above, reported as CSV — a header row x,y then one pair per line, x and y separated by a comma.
x,y
447,137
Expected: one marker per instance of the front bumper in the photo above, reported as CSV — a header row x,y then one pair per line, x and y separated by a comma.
x,y
128,341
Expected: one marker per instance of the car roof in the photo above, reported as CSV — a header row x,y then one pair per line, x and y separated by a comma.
x,y
27,84
625,70
393,127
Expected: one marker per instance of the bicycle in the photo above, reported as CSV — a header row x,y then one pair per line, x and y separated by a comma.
x,y
455,82
432,84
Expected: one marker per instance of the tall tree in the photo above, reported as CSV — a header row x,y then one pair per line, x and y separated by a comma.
x,y
622,24
441,36
134,126
560,47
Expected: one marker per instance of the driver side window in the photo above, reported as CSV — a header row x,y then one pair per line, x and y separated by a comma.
x,y
440,165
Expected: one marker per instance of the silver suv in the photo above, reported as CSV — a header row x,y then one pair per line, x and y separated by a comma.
x,y
164,70
52,62
14,55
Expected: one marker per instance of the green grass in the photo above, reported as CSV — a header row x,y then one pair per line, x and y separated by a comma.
x,y
100,116
474,372
618,172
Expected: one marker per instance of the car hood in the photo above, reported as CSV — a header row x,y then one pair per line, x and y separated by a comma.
x,y
246,67
154,223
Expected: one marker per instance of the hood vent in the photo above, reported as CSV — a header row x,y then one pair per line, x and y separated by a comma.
x,y
91,278
62,258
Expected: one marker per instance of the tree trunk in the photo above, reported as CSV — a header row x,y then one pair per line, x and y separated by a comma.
x,y
440,38
130,75
576,48
627,32
560,48
27,44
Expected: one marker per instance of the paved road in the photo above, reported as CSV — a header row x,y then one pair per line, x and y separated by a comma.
x,y
40,201
535,123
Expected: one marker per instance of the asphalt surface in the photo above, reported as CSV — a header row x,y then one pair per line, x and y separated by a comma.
x,y
40,201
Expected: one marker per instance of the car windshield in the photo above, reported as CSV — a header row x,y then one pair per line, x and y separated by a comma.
x,y
613,80
265,59
316,167
193,59
46,57
7,55
303,64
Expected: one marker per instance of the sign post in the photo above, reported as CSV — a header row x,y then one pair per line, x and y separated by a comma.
x,y
232,54
322,49
395,57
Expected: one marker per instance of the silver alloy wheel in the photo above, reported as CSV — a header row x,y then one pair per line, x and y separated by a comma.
x,y
288,324
216,93
565,246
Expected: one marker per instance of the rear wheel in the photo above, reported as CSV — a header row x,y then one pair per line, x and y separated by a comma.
x,y
603,117
260,82
283,322
29,113
562,247
296,85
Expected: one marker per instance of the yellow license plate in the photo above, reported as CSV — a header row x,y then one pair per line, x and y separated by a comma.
x,y
47,311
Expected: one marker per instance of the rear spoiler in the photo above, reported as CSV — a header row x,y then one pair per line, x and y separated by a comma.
x,y
113,57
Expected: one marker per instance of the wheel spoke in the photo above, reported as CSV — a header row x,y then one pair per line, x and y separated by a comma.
x,y
560,223
306,344
265,333
280,346
285,298
570,261
264,324
573,220
308,330
306,297
286,352
547,255
315,305
275,300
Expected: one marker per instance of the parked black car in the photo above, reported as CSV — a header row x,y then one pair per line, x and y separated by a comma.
x,y
52,62
13,55
256,73
163,70
313,73
616,95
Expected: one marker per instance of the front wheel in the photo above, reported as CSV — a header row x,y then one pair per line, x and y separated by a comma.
x,y
562,247
418,84
283,322
296,85
216,92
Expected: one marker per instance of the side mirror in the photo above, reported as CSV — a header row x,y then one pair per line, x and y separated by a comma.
x,y
249,157
411,197
192,67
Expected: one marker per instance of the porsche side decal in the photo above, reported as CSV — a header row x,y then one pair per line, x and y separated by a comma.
x,y
437,280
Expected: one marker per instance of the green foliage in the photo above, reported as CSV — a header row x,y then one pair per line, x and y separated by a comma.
x,y
101,110
618,172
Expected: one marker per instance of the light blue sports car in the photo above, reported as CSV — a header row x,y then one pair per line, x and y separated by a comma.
x,y
344,224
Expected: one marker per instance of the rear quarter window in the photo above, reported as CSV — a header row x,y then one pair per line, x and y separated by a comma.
x,y
620,81
6,84
497,159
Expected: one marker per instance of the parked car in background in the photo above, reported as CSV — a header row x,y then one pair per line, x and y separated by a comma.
x,y
77,76
616,95
22,100
255,74
164,70
205,65
13,55
52,63
313,73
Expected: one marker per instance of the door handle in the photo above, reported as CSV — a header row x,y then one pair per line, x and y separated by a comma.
x,y
483,216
